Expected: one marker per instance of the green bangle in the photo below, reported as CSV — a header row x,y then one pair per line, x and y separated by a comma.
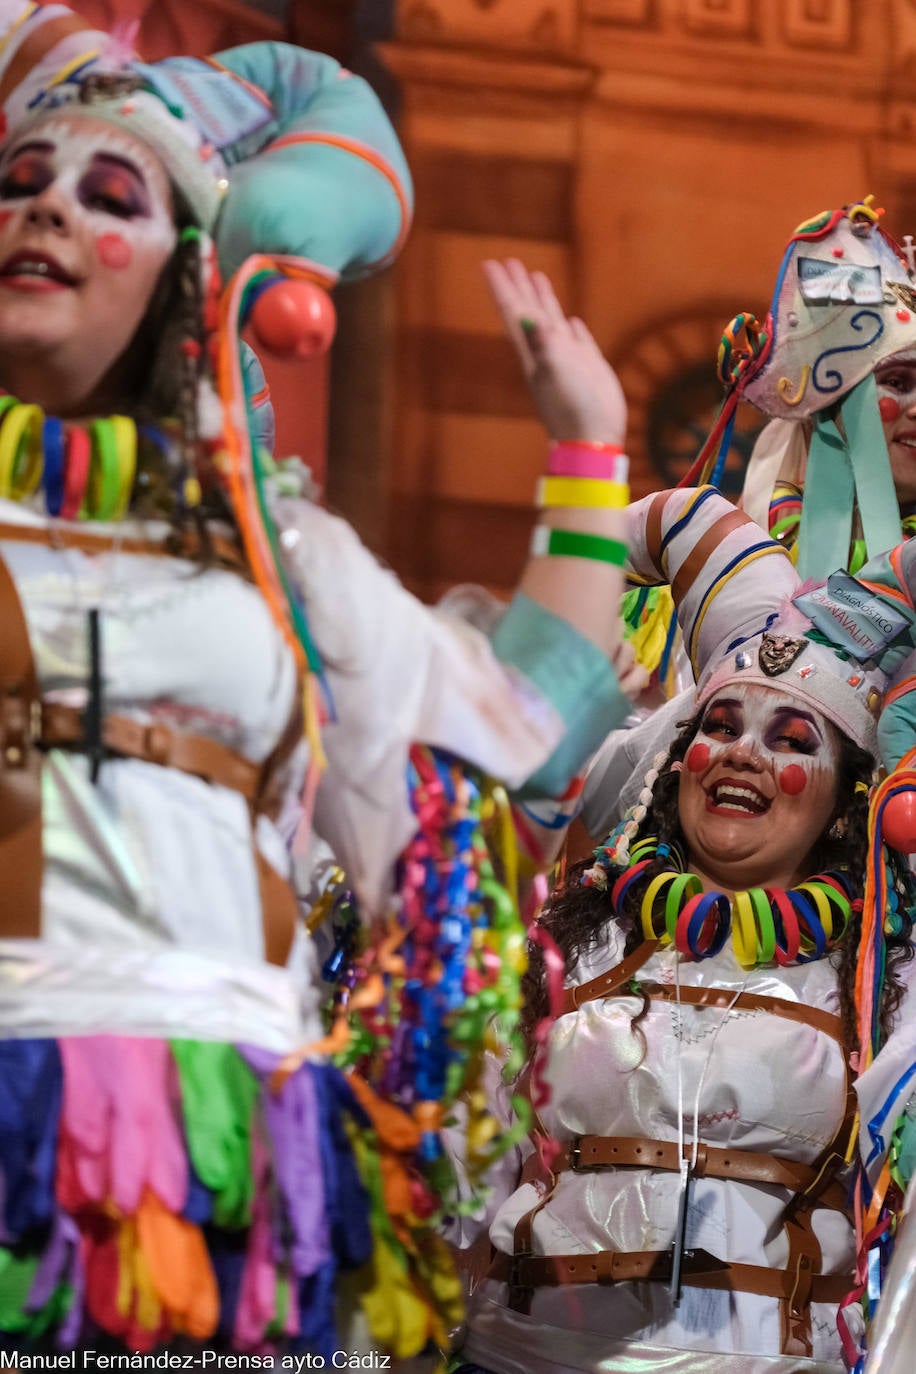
x,y
551,543
102,488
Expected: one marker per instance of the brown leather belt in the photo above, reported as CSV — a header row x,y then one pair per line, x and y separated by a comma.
x,y
62,727
700,1270
613,1152
176,544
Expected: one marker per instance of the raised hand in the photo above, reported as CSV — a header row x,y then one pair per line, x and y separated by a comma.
x,y
574,388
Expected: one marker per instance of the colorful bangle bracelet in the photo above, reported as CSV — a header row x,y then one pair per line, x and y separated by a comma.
x,y
52,440
102,487
582,491
77,473
551,543
786,921
571,460
13,432
125,432
111,471
812,939
28,464
703,925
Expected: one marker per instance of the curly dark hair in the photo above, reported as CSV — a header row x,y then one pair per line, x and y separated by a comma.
x,y
576,915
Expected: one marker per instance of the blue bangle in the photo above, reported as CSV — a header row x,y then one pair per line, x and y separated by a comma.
x,y
52,441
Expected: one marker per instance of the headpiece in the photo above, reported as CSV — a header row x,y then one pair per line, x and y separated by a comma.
x,y
284,157
277,149
843,302
747,617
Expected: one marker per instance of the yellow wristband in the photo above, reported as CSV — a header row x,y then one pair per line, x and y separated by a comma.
x,y
582,491
17,484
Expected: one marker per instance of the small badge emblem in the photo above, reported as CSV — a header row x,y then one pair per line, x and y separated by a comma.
x,y
777,653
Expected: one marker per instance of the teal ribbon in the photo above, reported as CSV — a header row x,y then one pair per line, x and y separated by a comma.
x,y
840,472
879,508
826,519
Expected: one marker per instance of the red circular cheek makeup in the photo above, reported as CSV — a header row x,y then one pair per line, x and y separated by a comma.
x,y
793,780
697,757
113,251
889,408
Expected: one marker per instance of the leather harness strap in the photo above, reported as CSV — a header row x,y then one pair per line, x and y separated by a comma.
x,y
589,1152
21,860
701,1270
29,725
797,1286
62,727
606,984
176,544
823,1021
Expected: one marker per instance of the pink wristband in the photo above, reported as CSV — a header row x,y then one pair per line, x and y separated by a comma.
x,y
604,461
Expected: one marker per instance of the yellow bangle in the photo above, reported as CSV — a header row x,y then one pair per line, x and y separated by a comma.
x,y
125,432
744,930
582,491
824,909
20,419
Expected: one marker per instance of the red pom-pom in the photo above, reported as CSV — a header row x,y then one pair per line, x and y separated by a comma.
x,y
294,319
898,822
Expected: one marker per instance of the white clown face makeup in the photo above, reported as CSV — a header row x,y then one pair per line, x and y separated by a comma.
x,y
86,228
758,787
896,383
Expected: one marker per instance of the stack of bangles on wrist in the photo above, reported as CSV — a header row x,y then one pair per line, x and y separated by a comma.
x,y
582,475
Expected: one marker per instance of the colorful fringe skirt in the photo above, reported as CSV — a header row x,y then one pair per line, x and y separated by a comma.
x,y
157,1191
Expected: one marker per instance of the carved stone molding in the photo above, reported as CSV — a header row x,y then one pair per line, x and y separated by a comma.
x,y
723,18
638,13
818,23
541,25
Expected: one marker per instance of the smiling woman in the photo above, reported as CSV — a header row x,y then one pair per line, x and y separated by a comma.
x,y
758,788
681,1203
189,642
87,230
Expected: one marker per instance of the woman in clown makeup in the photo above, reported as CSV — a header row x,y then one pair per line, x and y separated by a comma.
x,y
704,987
187,638
832,475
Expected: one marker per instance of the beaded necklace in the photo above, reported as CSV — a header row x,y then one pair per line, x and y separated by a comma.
x,y
766,924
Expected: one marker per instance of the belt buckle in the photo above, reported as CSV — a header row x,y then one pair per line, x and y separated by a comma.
x,y
575,1156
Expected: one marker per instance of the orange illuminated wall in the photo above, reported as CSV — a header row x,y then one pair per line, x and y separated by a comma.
x,y
653,156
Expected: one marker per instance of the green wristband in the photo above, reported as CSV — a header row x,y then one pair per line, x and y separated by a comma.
x,y
575,544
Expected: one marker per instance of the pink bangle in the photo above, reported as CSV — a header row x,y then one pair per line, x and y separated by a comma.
x,y
579,459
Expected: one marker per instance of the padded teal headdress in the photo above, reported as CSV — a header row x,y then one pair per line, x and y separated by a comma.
x,y
276,150
283,157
